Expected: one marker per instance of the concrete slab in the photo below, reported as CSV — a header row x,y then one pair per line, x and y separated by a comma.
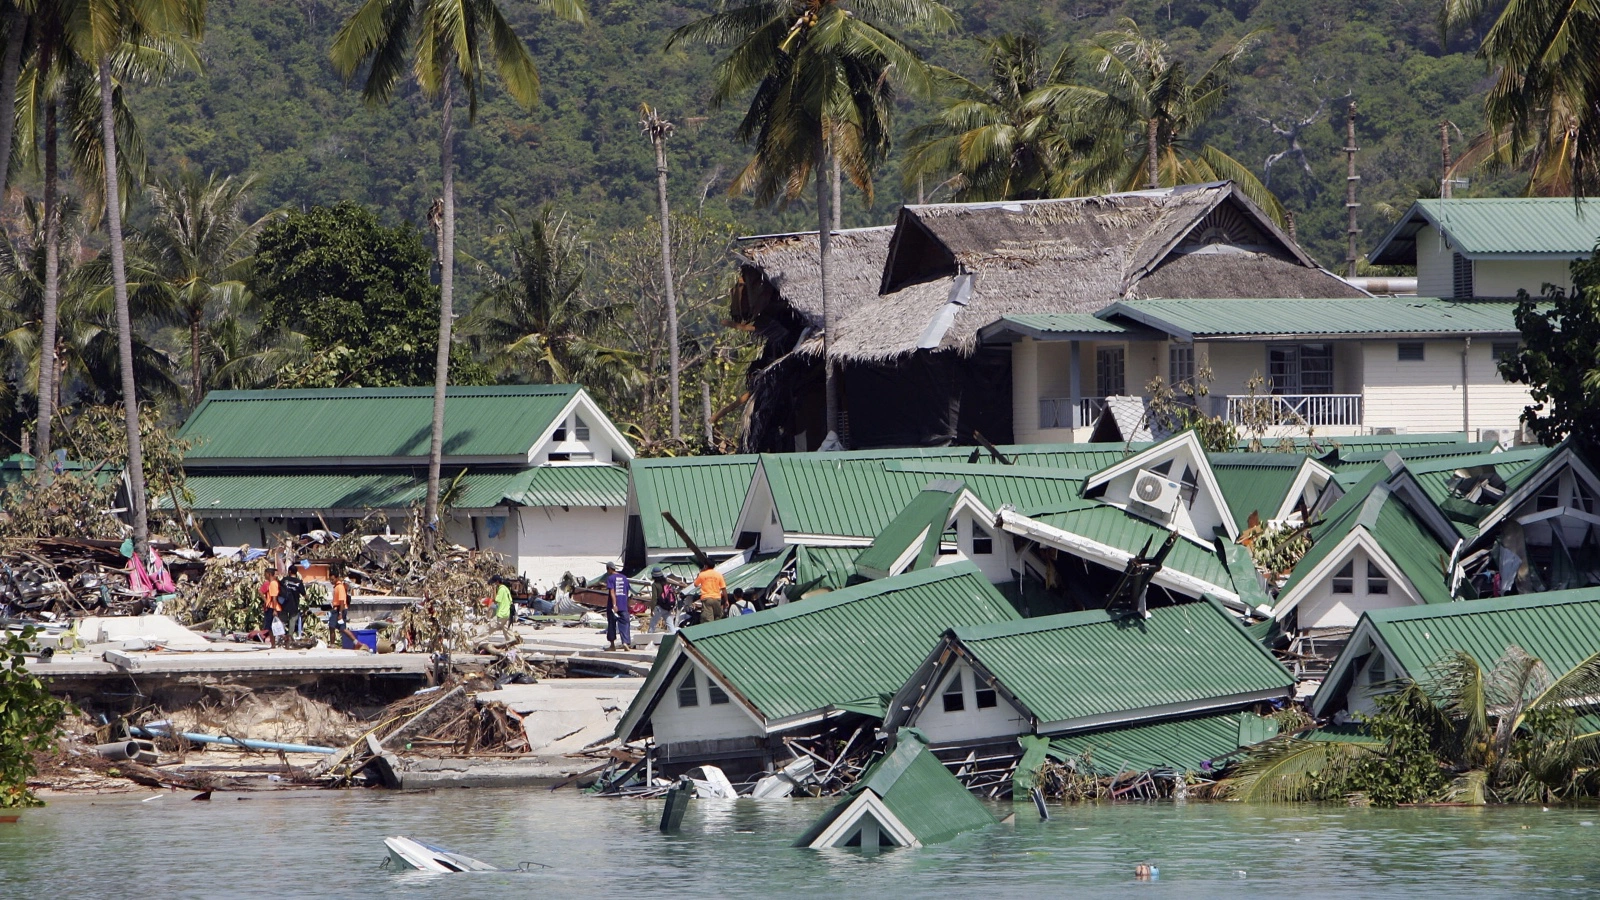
x,y
163,630
564,715
263,662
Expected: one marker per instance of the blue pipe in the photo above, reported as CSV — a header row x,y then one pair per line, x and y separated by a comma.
x,y
235,742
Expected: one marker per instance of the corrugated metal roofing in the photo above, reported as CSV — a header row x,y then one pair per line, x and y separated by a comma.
x,y
824,568
371,423
1038,324
859,498
1129,533
1254,482
920,523
1486,227
1188,319
851,643
389,489
1396,529
1179,745
605,486
923,795
1562,628
1435,474
1077,666
704,493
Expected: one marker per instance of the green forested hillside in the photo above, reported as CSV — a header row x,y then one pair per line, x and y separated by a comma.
x,y
269,104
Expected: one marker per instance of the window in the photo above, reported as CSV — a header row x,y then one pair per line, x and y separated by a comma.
x,y
947,543
1344,580
1461,275
688,691
1180,369
1300,368
1503,349
955,700
1411,351
560,434
982,543
580,428
1377,670
986,698
717,695
1549,497
1377,582
1110,364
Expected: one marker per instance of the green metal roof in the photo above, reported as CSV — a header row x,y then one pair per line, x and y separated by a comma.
x,y
1253,319
1397,530
1485,228
1562,628
1254,482
1435,475
859,498
371,423
920,523
824,568
1178,745
574,485
851,643
397,489
917,788
1054,326
1097,665
1113,527
704,493
757,574
1367,454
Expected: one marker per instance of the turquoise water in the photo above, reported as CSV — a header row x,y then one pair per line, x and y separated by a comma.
x,y
329,844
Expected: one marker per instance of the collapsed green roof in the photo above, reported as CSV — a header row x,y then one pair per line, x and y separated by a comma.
x,y
354,491
703,493
1178,745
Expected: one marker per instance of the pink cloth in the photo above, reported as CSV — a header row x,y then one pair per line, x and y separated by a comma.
x,y
138,579
159,574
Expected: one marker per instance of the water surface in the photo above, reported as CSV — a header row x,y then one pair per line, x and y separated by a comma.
x,y
329,844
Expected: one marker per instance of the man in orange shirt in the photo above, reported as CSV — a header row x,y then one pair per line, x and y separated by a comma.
x,y
712,586
339,618
270,605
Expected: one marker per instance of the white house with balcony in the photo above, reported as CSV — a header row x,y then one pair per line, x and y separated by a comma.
x,y
1336,366
1491,248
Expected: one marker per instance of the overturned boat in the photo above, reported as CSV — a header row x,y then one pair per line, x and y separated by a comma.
x,y
406,853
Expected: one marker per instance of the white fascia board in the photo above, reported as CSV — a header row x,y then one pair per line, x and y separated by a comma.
x,y
909,554
739,558
622,451
1113,557
865,804
1202,465
1171,710
734,697
907,703
758,487
1508,505
1309,470
825,540
1358,537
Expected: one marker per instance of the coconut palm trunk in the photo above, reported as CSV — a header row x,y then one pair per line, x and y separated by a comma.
x,y
119,287
447,241
659,137
1152,150
48,371
824,259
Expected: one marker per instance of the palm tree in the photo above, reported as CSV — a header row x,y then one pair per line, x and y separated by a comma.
x,y
1548,154
98,30
538,321
658,129
203,247
1542,56
1010,138
451,40
18,38
1151,98
821,76
1509,732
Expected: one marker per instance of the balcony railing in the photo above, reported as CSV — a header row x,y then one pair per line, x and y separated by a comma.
x,y
1058,412
1294,409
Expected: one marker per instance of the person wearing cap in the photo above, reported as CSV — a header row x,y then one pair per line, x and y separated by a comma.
x,y
663,600
619,619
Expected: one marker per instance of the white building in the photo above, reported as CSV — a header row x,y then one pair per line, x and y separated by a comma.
x,y
1474,248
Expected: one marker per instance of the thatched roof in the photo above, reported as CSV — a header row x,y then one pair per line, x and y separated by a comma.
x,y
788,263
949,269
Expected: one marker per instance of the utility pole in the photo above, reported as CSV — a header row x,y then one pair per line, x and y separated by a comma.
x,y
705,406
658,129
1351,179
1447,184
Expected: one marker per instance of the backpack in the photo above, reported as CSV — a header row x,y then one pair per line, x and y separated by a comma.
x,y
669,596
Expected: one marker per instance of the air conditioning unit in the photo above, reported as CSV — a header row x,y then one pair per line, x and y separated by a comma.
x,y
1156,491
1507,436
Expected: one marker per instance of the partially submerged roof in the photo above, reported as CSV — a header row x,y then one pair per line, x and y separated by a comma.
x,y
380,426
289,494
1561,628
1495,228
796,661
1190,744
703,494
1259,319
914,797
1078,671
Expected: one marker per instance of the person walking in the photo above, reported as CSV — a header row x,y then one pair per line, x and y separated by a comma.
x,y
619,619
712,586
741,605
270,607
663,602
291,592
502,602
339,613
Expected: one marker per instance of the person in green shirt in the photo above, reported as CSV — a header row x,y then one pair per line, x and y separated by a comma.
x,y
502,600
